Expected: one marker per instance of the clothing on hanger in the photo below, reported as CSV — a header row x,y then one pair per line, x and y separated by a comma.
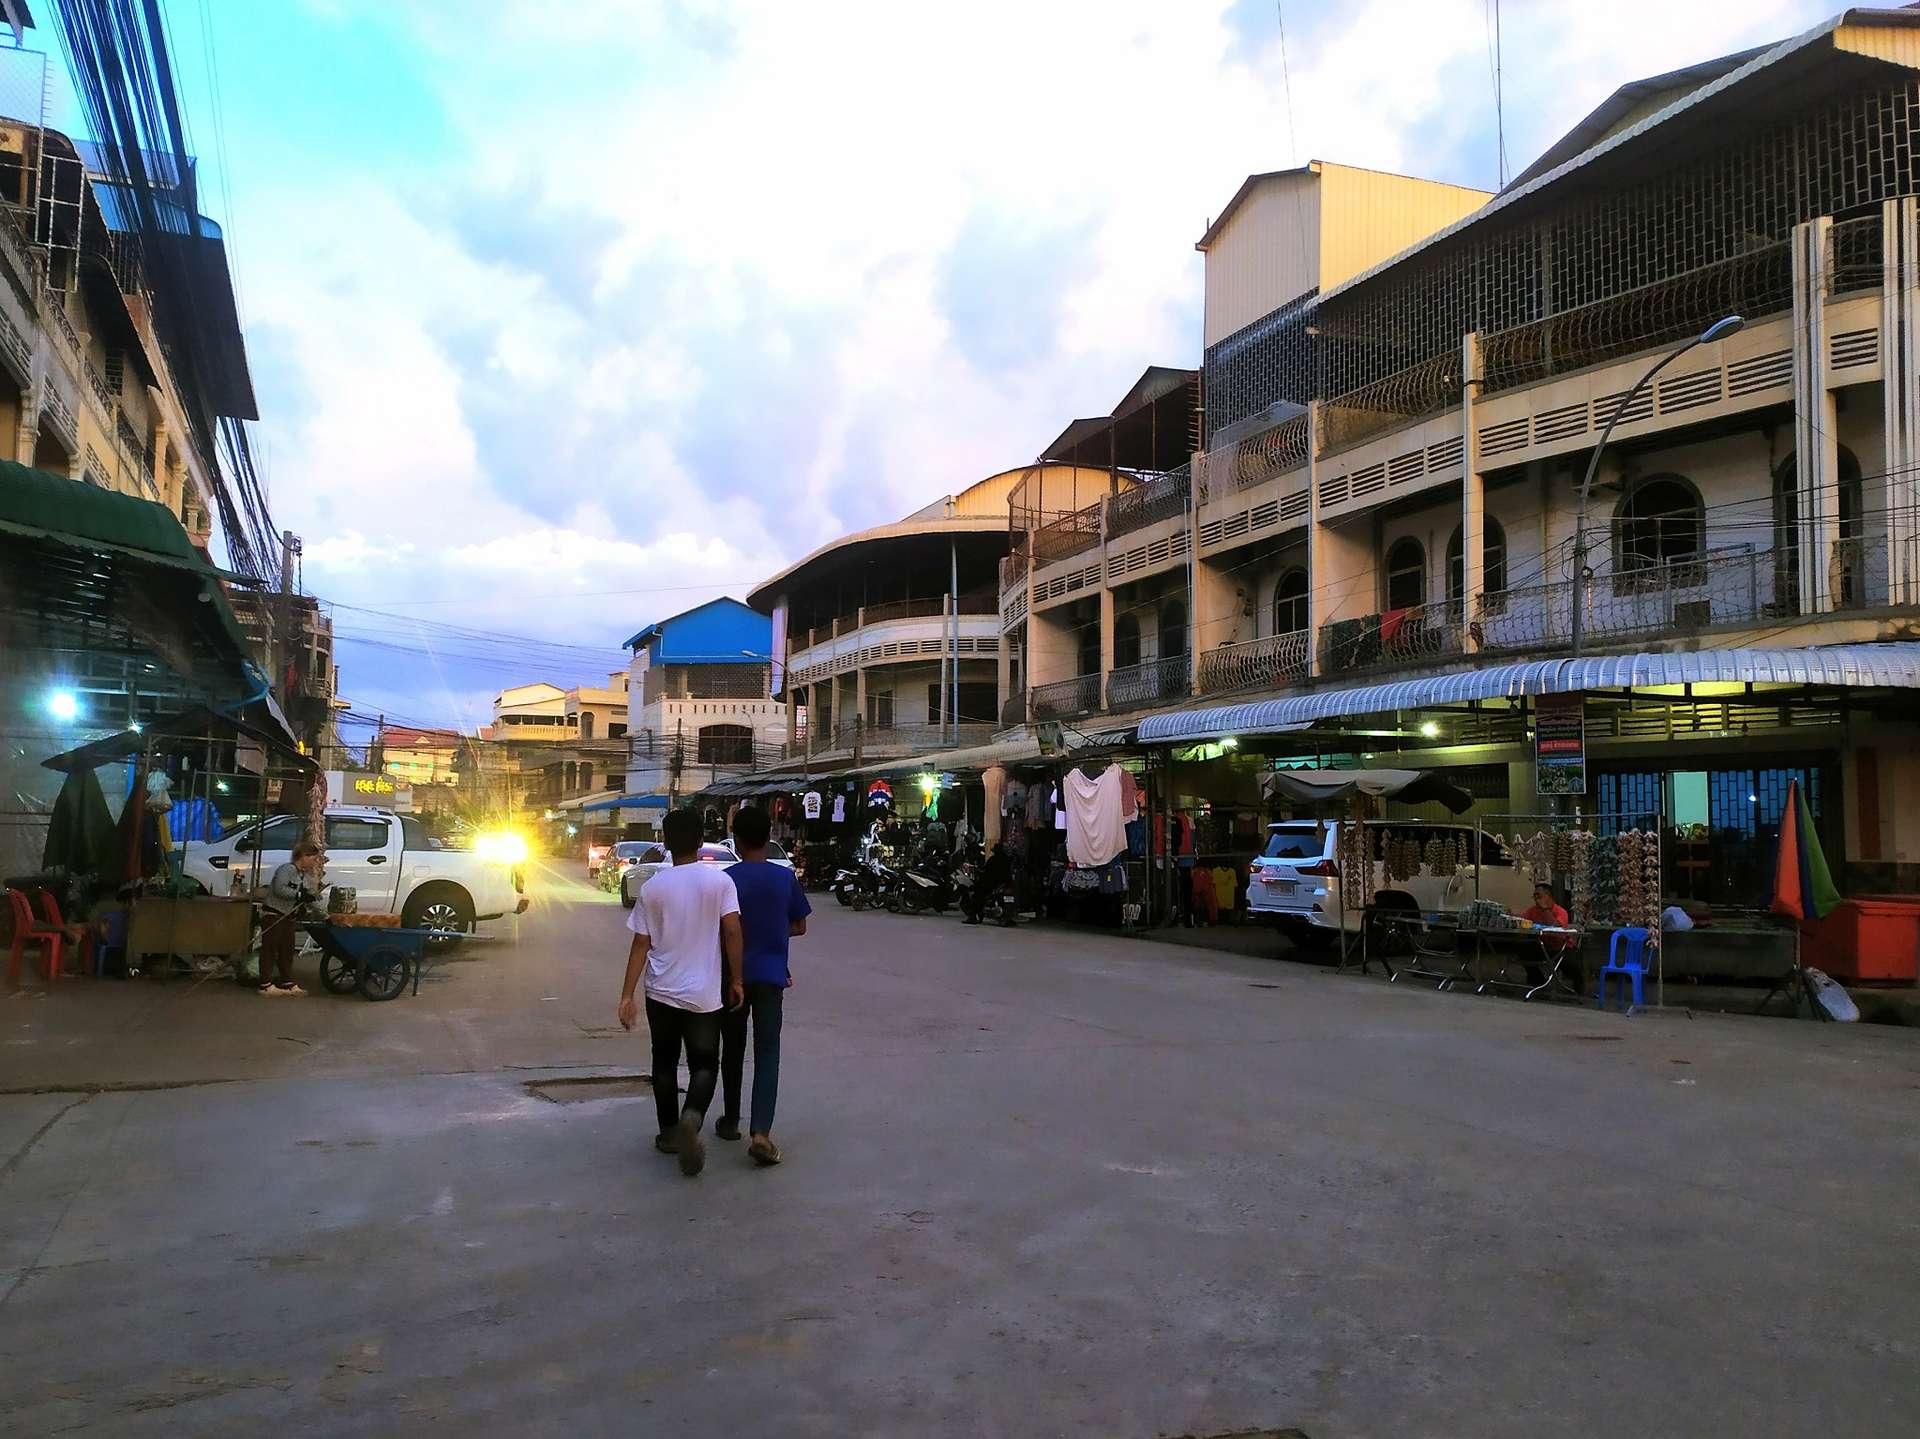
x,y
1096,829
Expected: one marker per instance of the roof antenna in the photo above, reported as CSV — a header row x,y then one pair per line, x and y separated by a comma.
x,y
1498,67
1286,82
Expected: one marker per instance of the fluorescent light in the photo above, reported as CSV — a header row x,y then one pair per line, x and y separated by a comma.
x,y
63,705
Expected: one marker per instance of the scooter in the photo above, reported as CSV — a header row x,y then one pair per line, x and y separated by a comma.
x,y
925,884
863,883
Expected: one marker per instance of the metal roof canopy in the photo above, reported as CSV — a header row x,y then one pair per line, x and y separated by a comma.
x,y
626,801
1868,666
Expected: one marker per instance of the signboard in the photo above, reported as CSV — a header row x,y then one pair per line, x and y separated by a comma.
x,y
363,787
1560,744
1047,732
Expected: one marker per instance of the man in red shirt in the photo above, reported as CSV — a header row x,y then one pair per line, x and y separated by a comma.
x,y
1546,909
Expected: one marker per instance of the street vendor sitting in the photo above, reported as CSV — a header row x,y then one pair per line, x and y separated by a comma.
x,y
1546,911
295,887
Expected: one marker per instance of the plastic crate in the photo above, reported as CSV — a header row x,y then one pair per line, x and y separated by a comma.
x,y
1872,937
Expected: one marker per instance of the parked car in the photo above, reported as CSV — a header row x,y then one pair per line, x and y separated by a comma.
x,y
1295,882
385,858
634,878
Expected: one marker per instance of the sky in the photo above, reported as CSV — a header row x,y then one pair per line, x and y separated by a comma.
x,y
566,315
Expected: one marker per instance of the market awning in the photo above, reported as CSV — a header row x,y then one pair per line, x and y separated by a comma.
x,y
1872,666
625,801
1410,786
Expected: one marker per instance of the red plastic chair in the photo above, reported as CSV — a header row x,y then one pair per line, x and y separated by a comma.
x,y
80,936
29,930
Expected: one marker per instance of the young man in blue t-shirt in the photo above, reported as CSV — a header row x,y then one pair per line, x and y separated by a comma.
x,y
773,910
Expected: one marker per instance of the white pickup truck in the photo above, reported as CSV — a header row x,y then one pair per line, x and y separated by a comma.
x,y
386,858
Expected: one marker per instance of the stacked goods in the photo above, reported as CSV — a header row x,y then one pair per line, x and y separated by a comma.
x,y
342,899
1487,914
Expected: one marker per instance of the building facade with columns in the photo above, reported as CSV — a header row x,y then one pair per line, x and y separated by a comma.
x,y
1394,420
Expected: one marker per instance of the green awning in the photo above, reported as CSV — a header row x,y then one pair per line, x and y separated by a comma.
x,y
111,537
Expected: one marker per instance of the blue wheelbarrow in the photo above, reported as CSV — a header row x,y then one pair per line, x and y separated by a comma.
x,y
377,962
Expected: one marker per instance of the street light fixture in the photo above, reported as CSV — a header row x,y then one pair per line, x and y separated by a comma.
x,y
1718,330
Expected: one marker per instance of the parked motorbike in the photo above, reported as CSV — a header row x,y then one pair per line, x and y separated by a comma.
x,y
863,883
926,883
1002,906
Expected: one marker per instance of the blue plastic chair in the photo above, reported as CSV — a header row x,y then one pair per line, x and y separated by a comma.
x,y
1632,969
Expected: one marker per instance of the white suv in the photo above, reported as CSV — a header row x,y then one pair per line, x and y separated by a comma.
x,y
1295,882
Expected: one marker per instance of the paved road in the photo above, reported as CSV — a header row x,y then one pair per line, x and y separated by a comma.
x,y
1039,1183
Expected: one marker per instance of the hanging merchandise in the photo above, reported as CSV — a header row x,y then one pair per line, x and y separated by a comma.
x,y
879,795
839,809
1603,871
1443,856
1096,828
1536,856
811,803
1580,879
993,783
1356,866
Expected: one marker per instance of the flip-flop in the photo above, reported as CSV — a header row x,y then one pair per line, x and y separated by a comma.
x,y
763,1151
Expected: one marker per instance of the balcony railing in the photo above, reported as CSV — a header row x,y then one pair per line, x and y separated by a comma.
x,y
1247,462
1400,399
1854,255
1066,698
1394,637
1014,711
914,737
1757,283
1162,497
1255,664
1718,587
1013,572
1154,682
1067,534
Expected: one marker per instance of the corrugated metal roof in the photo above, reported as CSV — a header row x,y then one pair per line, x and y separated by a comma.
x,y
1759,65
1875,666
722,631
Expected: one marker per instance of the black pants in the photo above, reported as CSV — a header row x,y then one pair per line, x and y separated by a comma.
x,y
764,1004
669,1029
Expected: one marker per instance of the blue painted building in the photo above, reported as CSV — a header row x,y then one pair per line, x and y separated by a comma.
x,y
700,703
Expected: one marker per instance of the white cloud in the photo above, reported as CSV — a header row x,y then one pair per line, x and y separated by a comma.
x,y
704,321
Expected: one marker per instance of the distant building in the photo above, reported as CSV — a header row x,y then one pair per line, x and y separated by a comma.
x,y
704,705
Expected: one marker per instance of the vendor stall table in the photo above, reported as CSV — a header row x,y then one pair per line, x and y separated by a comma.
x,y
196,925
1539,949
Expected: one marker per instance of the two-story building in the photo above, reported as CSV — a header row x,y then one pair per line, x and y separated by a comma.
x,y
702,705
1390,541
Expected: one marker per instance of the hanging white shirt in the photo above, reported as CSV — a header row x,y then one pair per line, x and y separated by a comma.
x,y
1096,831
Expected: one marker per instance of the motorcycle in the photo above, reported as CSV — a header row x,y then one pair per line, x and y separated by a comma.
x,y
1002,906
862,883
924,884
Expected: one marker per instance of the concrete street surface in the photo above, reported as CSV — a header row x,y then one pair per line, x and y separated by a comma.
x,y
1037,1182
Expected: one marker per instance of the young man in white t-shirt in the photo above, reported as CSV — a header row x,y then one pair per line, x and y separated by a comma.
x,y
686,924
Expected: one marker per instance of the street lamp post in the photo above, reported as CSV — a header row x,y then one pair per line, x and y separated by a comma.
x,y
1718,330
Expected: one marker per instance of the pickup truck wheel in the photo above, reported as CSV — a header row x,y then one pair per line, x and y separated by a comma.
x,y
442,908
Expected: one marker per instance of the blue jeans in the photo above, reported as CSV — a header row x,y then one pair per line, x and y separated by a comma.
x,y
763,1004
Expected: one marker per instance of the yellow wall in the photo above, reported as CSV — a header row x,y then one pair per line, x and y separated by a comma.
x,y
1315,228
1367,216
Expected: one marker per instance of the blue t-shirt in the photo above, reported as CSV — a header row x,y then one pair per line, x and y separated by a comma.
x,y
770,900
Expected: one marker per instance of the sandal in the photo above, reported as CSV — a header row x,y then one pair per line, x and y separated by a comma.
x,y
763,1151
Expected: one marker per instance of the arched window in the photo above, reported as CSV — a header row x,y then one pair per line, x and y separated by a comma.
x,y
1659,523
1493,567
1406,575
1290,603
586,774
586,724
1844,576
572,773
1173,628
725,744
1126,640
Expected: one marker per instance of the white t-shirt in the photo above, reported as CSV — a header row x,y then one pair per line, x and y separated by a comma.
x,y
679,909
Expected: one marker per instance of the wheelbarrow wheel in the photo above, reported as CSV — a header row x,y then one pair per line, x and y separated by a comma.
x,y
338,974
388,969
